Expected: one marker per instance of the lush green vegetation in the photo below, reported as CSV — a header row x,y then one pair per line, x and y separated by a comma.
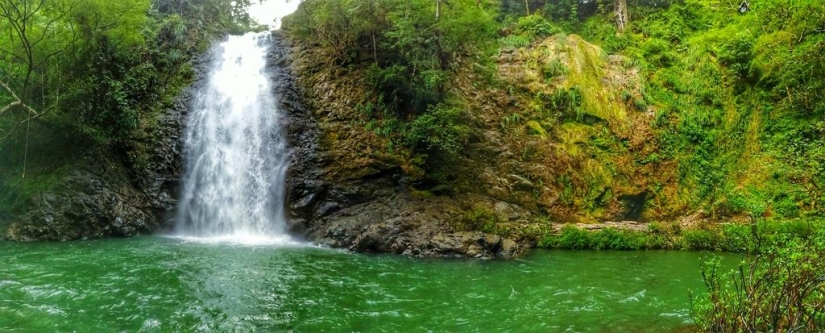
x,y
728,107
736,98
119,57
79,76
779,288
409,51
740,118
734,237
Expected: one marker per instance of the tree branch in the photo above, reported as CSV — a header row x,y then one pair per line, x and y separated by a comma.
x,y
12,54
17,102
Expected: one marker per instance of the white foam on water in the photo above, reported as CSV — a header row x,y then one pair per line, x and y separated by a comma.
x,y
243,239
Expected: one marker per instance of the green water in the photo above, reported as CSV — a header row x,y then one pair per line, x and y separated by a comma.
x,y
155,284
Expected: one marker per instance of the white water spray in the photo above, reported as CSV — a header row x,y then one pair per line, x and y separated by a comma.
x,y
235,156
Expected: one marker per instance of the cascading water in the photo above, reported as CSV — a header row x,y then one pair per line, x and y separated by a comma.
x,y
235,156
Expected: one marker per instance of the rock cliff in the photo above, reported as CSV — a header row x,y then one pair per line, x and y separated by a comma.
x,y
342,193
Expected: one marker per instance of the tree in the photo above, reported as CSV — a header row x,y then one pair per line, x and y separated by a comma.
x,y
29,29
622,15
32,45
209,16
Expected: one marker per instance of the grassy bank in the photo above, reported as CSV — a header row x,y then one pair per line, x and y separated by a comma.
x,y
734,237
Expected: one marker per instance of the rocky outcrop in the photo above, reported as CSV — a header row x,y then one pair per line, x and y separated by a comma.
x,y
90,202
343,193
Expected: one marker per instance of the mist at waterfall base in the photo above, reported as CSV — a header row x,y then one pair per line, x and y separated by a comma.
x,y
235,156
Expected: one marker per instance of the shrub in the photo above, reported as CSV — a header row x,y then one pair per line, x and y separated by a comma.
x,y
479,219
573,238
780,289
615,239
535,26
737,238
737,54
700,240
441,128
515,41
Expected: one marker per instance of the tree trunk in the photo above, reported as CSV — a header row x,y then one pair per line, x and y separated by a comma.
x,y
622,15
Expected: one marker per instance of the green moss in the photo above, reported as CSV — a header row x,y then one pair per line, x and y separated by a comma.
x,y
15,192
537,129
479,218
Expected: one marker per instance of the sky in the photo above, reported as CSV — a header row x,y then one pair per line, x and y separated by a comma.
x,y
271,11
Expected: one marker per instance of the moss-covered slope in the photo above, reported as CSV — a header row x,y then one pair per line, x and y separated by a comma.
x,y
693,111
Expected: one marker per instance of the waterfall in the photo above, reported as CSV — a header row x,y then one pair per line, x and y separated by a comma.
x,y
235,156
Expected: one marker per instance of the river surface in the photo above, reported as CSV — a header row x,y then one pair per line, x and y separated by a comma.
x,y
156,284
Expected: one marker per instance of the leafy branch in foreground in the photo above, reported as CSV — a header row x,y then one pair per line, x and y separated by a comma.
x,y
779,289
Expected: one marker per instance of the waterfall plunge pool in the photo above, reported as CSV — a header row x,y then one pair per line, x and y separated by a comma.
x,y
157,284
231,268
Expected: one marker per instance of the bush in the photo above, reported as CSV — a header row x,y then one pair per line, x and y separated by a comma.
x,y
515,41
737,238
573,238
670,236
780,289
737,54
535,26
701,240
615,239
479,219
441,128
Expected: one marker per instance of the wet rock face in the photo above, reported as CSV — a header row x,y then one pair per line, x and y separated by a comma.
x,y
107,196
159,177
87,205
341,197
408,227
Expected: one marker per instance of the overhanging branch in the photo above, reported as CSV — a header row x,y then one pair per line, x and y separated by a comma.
x,y
17,102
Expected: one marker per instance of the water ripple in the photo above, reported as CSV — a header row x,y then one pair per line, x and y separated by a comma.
x,y
158,284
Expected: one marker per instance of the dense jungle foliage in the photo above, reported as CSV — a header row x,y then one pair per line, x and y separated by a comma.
x,y
736,98
93,67
79,76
